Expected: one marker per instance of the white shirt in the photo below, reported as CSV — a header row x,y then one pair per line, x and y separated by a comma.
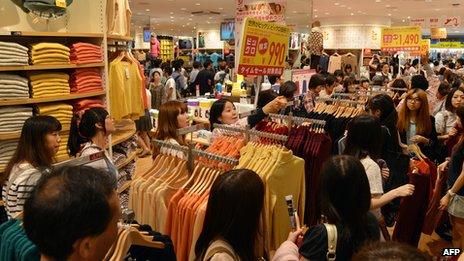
x,y
171,84
374,175
445,121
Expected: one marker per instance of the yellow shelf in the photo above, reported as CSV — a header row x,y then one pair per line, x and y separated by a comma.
x,y
9,102
124,187
55,34
122,136
16,134
113,37
62,158
49,67
131,157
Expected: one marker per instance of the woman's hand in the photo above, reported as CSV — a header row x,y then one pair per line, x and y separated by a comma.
x,y
453,132
444,202
405,190
419,139
385,173
296,237
443,167
275,105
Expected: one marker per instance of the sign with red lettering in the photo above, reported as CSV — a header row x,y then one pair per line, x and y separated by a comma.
x,y
401,38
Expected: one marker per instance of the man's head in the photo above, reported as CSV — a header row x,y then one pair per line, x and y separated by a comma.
x,y
385,68
196,65
207,64
459,63
72,214
274,79
419,82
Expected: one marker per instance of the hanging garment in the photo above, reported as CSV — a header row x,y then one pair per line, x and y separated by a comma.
x,y
335,63
352,60
155,47
118,17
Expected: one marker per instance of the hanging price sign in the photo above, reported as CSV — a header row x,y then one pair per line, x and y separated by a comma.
x,y
401,38
264,48
424,48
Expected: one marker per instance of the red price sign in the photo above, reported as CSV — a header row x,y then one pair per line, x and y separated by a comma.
x,y
401,38
265,46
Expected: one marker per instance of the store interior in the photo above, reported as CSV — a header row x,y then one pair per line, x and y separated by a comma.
x,y
106,81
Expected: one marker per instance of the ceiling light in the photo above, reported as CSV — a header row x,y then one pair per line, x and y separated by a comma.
x,y
172,17
404,20
172,13
207,22
349,8
197,4
336,3
221,8
210,17
327,13
378,1
148,10
409,17
190,19
387,6
315,16
183,9
315,10
294,12
351,14
437,9
389,14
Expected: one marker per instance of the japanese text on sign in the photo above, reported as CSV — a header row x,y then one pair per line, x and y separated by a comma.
x,y
401,39
264,48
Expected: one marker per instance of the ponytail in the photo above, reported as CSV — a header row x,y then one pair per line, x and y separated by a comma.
x,y
83,128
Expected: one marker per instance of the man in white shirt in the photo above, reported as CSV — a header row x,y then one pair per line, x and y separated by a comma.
x,y
170,85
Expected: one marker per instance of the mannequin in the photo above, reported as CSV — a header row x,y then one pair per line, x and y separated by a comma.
x,y
154,46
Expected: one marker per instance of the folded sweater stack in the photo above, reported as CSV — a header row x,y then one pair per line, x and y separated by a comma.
x,y
7,149
12,118
13,87
49,84
83,105
13,54
82,53
63,150
86,80
62,111
49,53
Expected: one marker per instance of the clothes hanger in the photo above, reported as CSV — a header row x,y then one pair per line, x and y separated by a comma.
x,y
133,237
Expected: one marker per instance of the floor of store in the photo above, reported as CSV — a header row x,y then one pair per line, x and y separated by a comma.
x,y
433,245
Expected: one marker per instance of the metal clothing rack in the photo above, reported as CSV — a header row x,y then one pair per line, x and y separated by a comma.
x,y
215,157
339,100
267,135
297,120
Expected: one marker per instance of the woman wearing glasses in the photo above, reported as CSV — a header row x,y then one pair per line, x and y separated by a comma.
x,y
415,124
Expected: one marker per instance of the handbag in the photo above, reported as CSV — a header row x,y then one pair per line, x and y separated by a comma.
x,y
331,241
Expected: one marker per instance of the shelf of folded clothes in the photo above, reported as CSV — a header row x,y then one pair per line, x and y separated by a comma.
x,y
125,129
113,37
72,96
126,161
54,34
14,135
49,84
12,118
7,149
49,67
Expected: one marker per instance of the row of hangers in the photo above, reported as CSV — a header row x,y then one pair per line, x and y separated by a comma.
x,y
339,107
315,125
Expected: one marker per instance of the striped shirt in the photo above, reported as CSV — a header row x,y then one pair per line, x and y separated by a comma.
x,y
22,180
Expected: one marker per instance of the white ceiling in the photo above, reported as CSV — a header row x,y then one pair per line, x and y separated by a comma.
x,y
174,17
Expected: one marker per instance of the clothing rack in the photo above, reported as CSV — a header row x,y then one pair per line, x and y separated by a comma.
x,y
215,157
297,120
267,135
339,100
81,160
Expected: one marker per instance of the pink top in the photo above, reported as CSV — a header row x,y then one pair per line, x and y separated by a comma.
x,y
155,47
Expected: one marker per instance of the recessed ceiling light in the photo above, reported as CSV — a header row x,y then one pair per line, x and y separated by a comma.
x,y
315,10
438,9
349,8
221,8
327,13
336,3
404,20
351,14
190,19
409,17
197,4
207,22
389,14
315,16
183,9
387,6
294,12
148,10
171,12
378,1
172,17
210,17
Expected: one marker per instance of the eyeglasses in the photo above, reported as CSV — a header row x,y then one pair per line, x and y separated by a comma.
x,y
414,99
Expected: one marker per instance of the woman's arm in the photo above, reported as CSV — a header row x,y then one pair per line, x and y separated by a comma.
x,y
403,191
458,184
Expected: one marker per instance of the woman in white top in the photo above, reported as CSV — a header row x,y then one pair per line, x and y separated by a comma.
x,y
89,135
363,142
172,116
445,120
38,144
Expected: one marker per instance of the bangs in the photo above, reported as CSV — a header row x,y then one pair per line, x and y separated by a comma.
x,y
183,108
52,124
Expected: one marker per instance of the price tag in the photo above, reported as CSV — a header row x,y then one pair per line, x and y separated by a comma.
x,y
264,48
406,38
61,3
126,71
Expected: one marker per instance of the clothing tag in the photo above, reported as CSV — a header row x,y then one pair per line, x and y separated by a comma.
x,y
60,3
126,70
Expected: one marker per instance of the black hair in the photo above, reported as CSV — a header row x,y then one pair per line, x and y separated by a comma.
x,y
338,73
207,63
364,137
378,80
83,128
167,70
389,250
419,82
448,104
444,89
442,71
348,66
233,213
288,90
176,64
399,83
265,97
157,63
68,204
316,80
456,83
363,80
451,65
196,64
436,63
344,205
216,111
32,146
460,61
347,82
415,62
273,79
330,80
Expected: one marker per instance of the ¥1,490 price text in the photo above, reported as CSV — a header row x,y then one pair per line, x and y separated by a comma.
x,y
401,40
273,52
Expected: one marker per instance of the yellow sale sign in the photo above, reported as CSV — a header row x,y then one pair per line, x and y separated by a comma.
x,y
405,38
424,48
264,48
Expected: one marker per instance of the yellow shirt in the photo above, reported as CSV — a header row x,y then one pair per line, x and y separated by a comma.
x,y
48,76
49,46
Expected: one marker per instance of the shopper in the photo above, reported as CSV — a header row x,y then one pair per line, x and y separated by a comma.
x,y
158,91
316,84
221,76
157,68
398,84
445,120
205,78
364,141
171,89
38,144
172,116
178,76
443,91
193,76
89,134
275,81
345,202
349,86
348,72
460,67
339,76
365,84
387,251
385,71
454,198
223,111
415,124
330,84
288,90
73,214
232,217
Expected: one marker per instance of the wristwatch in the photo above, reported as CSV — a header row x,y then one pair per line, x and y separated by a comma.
x,y
451,193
